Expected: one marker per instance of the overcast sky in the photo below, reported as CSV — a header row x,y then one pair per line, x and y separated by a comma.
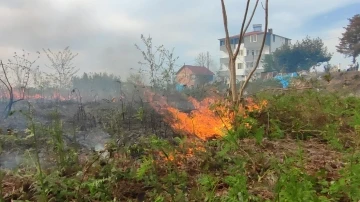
x,y
104,32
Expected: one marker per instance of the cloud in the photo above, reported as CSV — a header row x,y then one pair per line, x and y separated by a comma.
x,y
104,32
57,24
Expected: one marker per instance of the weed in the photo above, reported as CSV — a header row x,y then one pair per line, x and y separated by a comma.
x,y
292,149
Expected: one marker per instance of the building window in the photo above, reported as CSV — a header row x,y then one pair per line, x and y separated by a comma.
x,y
241,52
240,66
236,41
257,52
222,42
273,38
247,52
254,38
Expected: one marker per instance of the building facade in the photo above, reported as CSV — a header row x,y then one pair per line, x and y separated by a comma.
x,y
193,76
249,52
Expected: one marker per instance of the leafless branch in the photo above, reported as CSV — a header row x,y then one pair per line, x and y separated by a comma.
x,y
227,42
7,84
252,15
242,89
242,31
61,63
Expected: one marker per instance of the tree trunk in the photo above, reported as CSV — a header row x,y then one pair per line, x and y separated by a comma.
x,y
9,105
232,78
354,59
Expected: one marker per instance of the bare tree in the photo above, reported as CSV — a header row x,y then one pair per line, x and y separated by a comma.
x,y
204,60
159,63
40,80
20,67
233,55
61,63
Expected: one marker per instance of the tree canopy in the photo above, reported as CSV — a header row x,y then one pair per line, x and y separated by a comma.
x,y
300,56
350,41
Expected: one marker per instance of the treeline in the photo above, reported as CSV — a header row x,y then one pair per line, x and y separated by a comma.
x,y
300,56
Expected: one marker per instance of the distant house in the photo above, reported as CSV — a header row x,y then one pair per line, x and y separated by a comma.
x,y
193,76
249,51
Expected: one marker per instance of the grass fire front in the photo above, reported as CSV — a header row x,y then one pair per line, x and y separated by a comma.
x,y
296,146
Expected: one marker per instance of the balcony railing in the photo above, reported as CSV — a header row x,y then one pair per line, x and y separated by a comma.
x,y
233,47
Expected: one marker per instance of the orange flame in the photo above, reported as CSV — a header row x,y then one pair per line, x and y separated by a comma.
x,y
202,122
20,95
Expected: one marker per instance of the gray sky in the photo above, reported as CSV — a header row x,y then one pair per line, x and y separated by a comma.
x,y
104,32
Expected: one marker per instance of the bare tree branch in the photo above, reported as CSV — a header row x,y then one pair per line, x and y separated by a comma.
x,y
233,56
227,43
61,62
252,15
242,31
7,84
242,89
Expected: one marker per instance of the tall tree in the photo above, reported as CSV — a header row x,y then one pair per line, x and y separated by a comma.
x,y
350,41
301,56
233,55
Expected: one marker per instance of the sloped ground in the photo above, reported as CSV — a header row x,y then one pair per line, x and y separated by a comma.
x,y
302,146
345,82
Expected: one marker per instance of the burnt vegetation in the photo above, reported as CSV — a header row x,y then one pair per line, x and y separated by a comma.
x,y
99,137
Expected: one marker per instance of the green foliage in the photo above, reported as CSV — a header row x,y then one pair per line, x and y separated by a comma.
x,y
349,42
140,114
260,85
294,184
237,188
251,158
271,64
308,114
300,56
208,185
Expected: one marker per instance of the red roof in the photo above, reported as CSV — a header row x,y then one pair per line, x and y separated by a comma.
x,y
197,70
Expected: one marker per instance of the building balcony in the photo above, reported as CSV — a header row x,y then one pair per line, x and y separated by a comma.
x,y
233,47
224,60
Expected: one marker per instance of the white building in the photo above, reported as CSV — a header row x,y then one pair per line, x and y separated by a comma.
x,y
249,51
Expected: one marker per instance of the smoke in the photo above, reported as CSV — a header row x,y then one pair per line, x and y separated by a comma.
x,y
33,25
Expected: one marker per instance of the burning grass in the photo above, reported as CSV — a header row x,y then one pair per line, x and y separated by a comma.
x,y
211,117
283,148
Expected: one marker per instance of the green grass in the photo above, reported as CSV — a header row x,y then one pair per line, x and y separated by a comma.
x,y
302,147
